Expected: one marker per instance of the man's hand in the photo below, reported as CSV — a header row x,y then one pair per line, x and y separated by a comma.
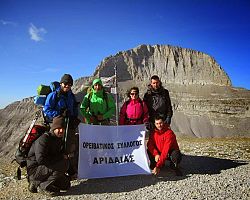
x,y
91,119
157,158
147,125
156,171
65,113
99,117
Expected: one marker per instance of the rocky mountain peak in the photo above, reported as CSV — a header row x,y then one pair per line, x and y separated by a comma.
x,y
173,64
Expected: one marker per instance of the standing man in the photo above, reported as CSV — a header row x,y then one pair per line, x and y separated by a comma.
x,y
97,106
162,146
158,101
62,102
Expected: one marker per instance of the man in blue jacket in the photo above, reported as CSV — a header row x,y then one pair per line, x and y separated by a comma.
x,y
62,102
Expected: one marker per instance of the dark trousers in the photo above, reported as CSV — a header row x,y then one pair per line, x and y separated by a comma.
x,y
72,149
174,157
44,177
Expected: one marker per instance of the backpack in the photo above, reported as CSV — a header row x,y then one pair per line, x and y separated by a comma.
x,y
31,135
43,91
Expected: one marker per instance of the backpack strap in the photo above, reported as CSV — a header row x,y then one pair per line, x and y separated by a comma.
x,y
142,115
105,96
89,98
46,120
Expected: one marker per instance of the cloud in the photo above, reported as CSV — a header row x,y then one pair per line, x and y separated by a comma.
x,y
7,23
36,33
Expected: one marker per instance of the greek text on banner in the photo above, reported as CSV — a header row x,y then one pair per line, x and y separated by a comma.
x,y
109,151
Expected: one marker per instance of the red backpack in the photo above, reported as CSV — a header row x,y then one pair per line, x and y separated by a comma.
x,y
31,135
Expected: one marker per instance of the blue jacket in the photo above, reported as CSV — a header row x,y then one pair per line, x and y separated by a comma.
x,y
56,103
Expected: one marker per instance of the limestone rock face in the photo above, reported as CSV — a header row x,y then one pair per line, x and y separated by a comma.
x,y
174,65
204,102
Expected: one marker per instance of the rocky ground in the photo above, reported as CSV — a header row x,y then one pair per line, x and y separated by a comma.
x,y
212,169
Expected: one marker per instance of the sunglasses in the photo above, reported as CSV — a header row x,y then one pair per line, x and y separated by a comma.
x,y
67,84
133,93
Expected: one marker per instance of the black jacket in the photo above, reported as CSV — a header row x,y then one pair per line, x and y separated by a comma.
x,y
158,103
47,150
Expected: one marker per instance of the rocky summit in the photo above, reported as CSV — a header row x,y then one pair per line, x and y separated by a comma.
x,y
204,102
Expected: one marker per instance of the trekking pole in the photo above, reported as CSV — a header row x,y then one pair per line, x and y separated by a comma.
x,y
66,133
116,97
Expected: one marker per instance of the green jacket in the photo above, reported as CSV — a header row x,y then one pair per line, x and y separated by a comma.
x,y
95,103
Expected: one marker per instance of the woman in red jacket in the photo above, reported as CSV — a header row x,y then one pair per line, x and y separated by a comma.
x,y
162,146
134,111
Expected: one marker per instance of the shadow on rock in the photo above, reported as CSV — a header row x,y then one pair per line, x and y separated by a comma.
x,y
189,165
112,185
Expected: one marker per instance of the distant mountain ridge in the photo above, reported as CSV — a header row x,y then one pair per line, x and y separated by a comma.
x,y
205,103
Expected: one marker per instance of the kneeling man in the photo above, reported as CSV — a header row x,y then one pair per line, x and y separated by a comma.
x,y
162,146
47,164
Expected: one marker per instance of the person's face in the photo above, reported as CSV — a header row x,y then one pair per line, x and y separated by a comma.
x,y
97,87
66,87
59,132
134,94
155,84
159,124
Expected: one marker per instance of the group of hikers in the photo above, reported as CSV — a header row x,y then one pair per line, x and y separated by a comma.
x,y
51,167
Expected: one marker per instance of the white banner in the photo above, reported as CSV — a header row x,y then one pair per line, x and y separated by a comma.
x,y
109,151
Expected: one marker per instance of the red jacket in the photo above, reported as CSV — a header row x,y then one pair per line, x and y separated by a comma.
x,y
160,143
133,112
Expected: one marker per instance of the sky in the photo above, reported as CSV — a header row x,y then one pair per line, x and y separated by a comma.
x,y
40,40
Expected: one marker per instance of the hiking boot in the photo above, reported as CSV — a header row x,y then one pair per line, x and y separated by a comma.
x,y
178,172
32,187
176,169
172,165
73,177
51,190
49,193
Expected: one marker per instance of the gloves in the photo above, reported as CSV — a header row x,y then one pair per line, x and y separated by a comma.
x,y
100,117
65,113
168,120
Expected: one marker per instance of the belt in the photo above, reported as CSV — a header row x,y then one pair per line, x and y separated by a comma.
x,y
134,119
